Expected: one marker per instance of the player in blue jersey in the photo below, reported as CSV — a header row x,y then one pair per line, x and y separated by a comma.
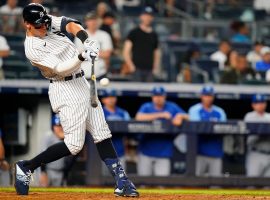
x,y
210,148
113,113
156,150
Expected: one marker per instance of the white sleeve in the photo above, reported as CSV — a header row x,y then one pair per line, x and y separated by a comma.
x,y
79,45
3,44
55,64
38,57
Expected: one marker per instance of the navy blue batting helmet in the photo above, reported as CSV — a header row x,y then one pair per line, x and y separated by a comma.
x,y
36,14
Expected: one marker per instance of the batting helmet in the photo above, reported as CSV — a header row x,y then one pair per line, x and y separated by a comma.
x,y
36,14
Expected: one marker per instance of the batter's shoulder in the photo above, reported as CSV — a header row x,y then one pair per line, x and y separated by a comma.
x,y
33,47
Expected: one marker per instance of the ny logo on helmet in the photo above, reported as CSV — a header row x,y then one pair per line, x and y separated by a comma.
x,y
41,14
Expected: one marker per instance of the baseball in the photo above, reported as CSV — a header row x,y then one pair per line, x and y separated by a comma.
x,y
104,82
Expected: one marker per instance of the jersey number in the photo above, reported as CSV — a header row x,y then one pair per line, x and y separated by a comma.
x,y
59,33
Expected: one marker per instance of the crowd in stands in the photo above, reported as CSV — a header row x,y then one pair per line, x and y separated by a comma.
x,y
140,52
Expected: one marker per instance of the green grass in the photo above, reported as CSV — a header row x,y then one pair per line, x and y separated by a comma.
x,y
153,191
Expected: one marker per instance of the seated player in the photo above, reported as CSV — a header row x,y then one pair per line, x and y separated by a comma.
x,y
52,174
156,150
113,113
210,148
258,155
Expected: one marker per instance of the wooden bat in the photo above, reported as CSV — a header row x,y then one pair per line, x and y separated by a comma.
x,y
93,87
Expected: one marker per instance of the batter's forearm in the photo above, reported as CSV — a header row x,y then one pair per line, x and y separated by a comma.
x,y
76,30
69,66
2,150
156,59
147,117
4,53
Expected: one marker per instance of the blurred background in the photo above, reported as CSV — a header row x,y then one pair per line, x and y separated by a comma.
x,y
186,102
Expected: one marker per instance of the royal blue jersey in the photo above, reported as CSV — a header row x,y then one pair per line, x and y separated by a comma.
x,y
240,38
119,114
262,66
208,145
160,146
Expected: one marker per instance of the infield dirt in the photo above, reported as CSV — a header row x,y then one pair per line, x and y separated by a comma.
x,y
100,196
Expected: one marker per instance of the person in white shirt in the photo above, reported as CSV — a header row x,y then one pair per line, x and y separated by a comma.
x,y
11,8
254,56
262,5
4,52
221,55
106,46
258,155
10,15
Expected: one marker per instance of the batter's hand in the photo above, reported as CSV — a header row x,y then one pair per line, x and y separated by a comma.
x,y
92,46
87,55
4,165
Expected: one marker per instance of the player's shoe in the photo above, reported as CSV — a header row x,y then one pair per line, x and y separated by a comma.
x,y
22,178
124,187
128,190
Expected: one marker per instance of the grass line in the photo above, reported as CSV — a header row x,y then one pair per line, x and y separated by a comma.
x,y
152,191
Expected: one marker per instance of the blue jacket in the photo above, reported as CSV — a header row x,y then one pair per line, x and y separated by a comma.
x,y
208,145
155,145
262,66
119,114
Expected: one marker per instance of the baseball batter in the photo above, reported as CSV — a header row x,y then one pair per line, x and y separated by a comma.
x,y
48,48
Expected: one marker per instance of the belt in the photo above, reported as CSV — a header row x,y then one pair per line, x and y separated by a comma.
x,y
69,78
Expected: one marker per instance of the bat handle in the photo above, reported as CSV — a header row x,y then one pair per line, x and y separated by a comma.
x,y
93,58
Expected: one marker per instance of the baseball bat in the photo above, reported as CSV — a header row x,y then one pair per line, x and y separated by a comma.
x,y
93,88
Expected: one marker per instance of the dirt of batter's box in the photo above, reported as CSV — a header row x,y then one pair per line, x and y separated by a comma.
x,y
100,196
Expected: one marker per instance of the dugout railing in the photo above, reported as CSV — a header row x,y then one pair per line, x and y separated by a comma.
x,y
192,130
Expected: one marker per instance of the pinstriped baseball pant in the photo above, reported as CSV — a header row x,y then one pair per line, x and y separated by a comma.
x,y
71,99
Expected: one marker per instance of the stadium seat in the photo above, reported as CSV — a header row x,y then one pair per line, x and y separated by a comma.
x,y
211,67
19,70
181,45
14,37
207,47
115,64
132,10
242,48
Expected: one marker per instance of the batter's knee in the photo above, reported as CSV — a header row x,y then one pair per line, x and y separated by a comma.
x,y
74,147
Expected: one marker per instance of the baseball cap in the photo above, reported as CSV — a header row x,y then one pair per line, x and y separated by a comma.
x,y
258,98
147,10
158,91
110,93
91,15
208,90
265,50
56,120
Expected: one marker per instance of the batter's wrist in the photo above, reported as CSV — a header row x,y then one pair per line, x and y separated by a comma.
x,y
81,58
82,35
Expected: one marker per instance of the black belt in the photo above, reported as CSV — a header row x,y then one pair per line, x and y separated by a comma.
x,y
68,78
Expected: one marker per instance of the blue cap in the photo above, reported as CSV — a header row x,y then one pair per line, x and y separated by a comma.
x,y
208,90
147,10
158,91
56,120
258,98
110,93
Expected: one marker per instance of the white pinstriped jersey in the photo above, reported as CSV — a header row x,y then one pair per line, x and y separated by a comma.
x,y
45,53
71,99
